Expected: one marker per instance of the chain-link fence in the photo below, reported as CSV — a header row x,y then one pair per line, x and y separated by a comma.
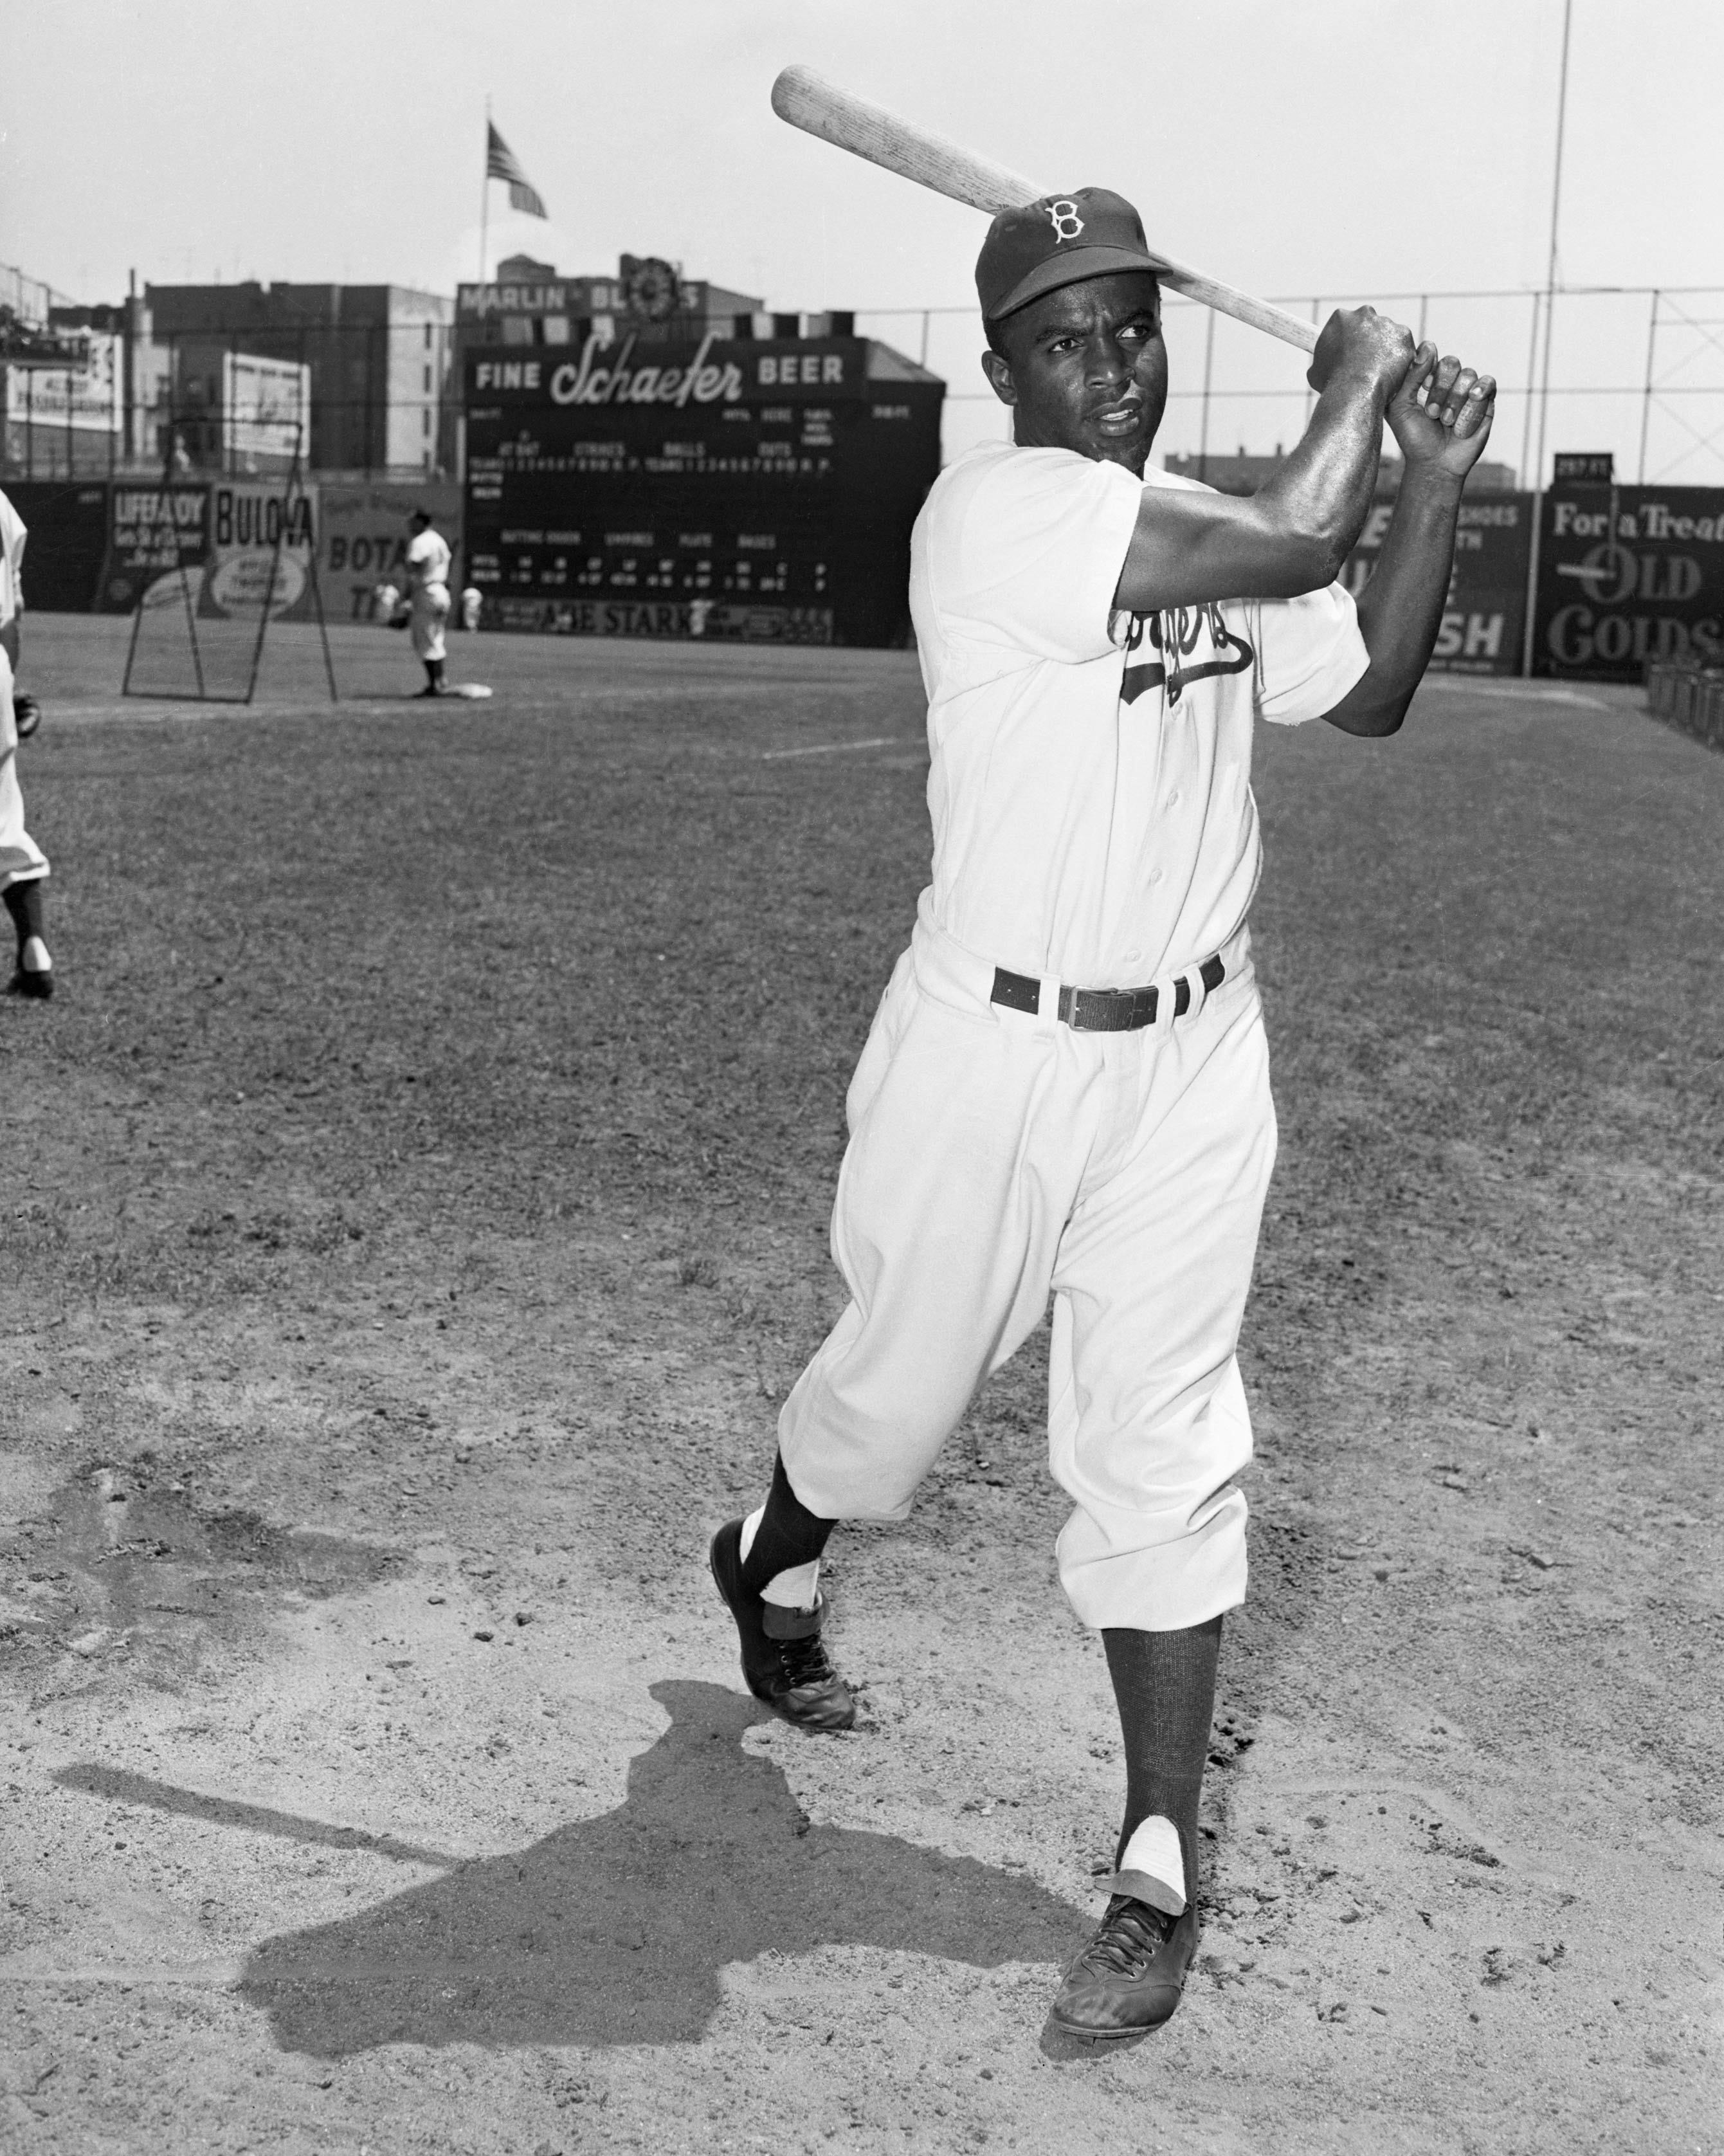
x,y
1636,370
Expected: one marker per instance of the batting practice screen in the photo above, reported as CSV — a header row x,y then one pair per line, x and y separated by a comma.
x,y
749,490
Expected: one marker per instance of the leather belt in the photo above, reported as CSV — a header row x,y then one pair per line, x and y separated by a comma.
x,y
1102,1010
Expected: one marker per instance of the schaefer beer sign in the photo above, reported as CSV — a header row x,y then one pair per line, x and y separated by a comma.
x,y
715,372
1628,574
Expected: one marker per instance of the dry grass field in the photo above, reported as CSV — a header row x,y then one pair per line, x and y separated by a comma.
x,y
414,1210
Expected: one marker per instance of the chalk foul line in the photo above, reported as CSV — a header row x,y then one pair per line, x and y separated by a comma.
x,y
841,748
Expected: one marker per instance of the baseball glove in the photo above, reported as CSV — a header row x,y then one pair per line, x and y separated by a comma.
x,y
401,617
26,715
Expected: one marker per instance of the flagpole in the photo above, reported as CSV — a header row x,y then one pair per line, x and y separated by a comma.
x,y
484,199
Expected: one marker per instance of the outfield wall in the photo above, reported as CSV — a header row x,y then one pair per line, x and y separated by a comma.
x,y
96,546
68,524
1627,576
362,536
1485,613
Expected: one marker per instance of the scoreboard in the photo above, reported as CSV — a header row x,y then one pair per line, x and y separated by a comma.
x,y
724,488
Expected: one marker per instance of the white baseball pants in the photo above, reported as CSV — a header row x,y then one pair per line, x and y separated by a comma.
x,y
996,1157
430,616
20,857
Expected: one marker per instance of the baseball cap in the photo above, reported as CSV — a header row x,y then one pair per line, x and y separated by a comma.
x,y
1060,240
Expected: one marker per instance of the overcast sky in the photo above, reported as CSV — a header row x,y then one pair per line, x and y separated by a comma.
x,y
1357,146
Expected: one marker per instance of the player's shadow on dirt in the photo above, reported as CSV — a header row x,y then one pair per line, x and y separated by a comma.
x,y
613,1931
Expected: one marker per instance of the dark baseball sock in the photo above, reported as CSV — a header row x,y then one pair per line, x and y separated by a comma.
x,y
23,902
1165,1684
788,1534
434,672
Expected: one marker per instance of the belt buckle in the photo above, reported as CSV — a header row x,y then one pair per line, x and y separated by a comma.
x,y
1108,1011
1131,1010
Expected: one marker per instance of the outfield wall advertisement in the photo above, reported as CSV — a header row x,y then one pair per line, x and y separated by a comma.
x,y
98,546
362,536
154,531
224,534
1627,574
262,541
1485,614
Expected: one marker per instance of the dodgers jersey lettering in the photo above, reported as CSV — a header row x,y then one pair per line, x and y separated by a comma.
x,y
1089,786
1178,632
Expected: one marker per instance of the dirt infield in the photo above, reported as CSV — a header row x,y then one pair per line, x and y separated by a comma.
x,y
416,1204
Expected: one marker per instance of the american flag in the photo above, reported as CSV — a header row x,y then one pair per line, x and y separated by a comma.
x,y
502,163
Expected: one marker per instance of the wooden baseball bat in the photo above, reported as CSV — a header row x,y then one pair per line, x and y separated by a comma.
x,y
818,107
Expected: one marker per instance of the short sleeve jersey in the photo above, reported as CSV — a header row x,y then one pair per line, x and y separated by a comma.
x,y
428,558
1091,782
13,535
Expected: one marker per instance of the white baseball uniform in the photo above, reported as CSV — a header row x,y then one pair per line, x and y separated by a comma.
x,y
428,560
20,857
1094,828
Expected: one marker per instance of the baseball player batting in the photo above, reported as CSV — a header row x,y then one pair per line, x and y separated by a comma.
x,y
1066,1092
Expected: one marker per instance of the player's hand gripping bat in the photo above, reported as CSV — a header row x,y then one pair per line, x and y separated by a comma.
x,y
818,107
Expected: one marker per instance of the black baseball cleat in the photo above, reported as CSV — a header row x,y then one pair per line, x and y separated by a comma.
x,y
783,1659
37,983
1130,1975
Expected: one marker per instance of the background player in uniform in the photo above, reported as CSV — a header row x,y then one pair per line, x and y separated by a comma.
x,y
428,560
1065,1090
23,865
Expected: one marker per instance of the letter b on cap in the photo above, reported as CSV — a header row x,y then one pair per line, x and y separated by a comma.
x,y
1063,216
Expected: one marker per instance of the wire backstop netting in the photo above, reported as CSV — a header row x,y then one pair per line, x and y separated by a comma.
x,y
204,622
